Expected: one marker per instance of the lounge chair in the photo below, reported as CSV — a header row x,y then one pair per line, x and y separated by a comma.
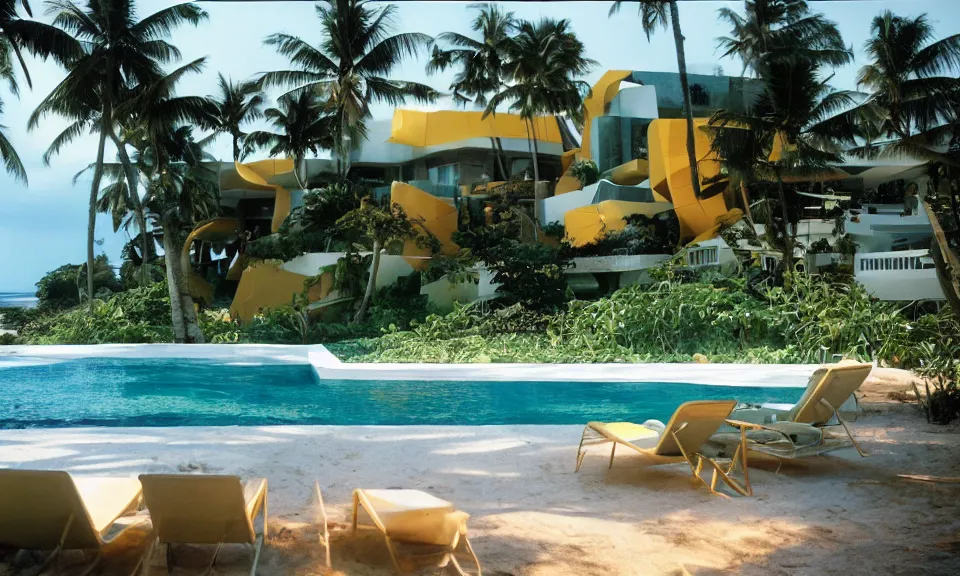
x,y
828,389
784,440
415,517
204,509
681,440
50,510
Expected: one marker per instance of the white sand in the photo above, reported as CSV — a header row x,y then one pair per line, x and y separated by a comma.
x,y
532,515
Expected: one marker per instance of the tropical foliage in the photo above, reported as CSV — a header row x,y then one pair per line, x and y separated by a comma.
x,y
236,104
349,68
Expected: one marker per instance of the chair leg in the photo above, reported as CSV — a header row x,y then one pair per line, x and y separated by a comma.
x,y
143,565
93,565
213,560
845,428
55,555
580,451
473,558
256,554
612,452
393,555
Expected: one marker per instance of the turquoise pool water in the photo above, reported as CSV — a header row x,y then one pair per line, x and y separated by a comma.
x,y
135,392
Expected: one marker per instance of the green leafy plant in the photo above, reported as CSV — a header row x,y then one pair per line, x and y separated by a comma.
x,y
586,171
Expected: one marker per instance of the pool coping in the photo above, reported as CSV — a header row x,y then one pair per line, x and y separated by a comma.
x,y
328,367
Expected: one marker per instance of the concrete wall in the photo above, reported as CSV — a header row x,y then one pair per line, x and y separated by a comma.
x,y
555,207
443,294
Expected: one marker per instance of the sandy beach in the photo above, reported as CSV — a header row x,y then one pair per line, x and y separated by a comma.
x,y
532,515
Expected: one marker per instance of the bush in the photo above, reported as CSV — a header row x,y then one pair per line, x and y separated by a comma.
x,y
141,315
61,288
17,318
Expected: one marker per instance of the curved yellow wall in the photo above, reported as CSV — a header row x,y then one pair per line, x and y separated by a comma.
x,y
266,285
258,173
415,128
435,215
595,105
586,224
670,173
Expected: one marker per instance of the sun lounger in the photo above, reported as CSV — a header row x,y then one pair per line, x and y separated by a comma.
x,y
415,517
828,389
681,440
205,509
788,440
50,510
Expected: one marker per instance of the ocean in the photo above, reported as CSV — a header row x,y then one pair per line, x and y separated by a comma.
x,y
17,300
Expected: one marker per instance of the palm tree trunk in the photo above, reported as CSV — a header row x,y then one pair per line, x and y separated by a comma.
x,y
496,154
236,148
92,217
371,283
499,143
131,173
297,162
787,238
186,328
533,137
685,89
746,203
172,264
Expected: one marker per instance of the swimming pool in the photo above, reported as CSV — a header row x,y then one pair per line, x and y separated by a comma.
x,y
185,392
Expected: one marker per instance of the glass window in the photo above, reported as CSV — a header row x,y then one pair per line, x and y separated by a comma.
x,y
448,174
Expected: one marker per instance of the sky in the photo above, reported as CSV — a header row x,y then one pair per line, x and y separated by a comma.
x,y
43,225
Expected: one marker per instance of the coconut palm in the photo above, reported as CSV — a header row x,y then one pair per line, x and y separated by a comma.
x,y
545,62
481,64
42,40
350,66
181,191
913,85
121,57
236,104
653,14
795,129
769,24
301,127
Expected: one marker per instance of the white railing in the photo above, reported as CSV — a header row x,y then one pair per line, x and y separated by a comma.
x,y
892,261
703,256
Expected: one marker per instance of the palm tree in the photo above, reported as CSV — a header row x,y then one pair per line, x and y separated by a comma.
x,y
350,66
302,127
545,60
121,56
769,24
181,191
797,127
654,13
914,91
481,63
42,40
236,104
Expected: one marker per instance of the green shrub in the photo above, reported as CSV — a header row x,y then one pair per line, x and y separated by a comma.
x,y
141,315
17,318
61,288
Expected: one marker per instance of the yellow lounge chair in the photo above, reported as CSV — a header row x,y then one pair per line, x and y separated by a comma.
x,y
789,440
829,387
50,510
681,440
204,509
415,517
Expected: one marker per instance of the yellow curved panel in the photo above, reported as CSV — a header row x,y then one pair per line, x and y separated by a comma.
x,y
595,105
269,286
631,173
567,183
586,224
730,217
416,128
430,212
257,173
670,173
